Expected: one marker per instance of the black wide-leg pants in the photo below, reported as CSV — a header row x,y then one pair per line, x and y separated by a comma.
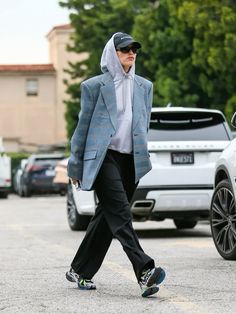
x,y
114,186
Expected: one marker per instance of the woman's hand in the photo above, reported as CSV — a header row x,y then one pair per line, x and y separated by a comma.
x,y
76,183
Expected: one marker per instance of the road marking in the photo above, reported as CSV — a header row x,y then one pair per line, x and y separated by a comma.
x,y
193,243
189,243
182,303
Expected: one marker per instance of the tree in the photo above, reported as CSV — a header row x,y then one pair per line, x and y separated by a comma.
x,y
188,48
192,48
214,48
94,22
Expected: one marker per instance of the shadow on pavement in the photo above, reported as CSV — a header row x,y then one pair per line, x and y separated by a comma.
x,y
172,233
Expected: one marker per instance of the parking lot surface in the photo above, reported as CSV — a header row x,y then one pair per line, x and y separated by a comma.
x,y
37,247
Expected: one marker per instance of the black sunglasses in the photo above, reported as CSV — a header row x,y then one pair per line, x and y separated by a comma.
x,y
127,49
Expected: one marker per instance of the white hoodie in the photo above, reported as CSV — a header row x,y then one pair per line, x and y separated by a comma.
x,y
124,82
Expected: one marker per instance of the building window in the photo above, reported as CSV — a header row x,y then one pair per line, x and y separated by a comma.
x,y
32,87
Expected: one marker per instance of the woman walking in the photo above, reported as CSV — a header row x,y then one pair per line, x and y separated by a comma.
x,y
109,154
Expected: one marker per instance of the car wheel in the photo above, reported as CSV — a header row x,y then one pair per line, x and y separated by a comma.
x,y
223,220
26,191
20,191
185,223
62,192
3,195
75,220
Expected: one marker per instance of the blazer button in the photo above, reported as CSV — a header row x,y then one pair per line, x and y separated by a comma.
x,y
111,135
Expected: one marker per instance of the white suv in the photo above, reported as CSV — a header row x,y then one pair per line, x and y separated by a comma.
x,y
223,210
184,144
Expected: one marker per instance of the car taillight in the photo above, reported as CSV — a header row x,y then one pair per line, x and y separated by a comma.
x,y
33,168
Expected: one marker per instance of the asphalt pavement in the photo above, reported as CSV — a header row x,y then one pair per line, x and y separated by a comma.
x,y
37,246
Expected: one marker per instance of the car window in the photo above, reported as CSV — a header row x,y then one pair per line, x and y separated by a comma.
x,y
44,161
187,126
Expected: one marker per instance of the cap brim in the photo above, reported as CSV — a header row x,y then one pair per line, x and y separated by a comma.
x,y
129,42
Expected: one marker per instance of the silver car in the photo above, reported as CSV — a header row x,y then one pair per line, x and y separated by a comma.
x,y
223,206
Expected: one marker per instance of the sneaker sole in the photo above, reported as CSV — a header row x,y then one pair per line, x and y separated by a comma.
x,y
157,277
161,276
150,291
85,288
70,277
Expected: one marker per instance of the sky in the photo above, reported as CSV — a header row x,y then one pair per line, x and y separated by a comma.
x,y
24,25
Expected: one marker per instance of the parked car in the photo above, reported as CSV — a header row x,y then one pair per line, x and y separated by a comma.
x,y
184,144
223,206
38,175
5,172
61,177
17,175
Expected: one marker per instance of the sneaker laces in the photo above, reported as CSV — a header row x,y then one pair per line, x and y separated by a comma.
x,y
84,281
145,275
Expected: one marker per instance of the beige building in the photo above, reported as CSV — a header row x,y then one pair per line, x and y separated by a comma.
x,y
31,98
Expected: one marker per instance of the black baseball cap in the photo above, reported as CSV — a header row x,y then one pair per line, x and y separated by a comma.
x,y
122,40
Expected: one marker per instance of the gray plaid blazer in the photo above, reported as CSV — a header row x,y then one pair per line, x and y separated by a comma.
x,y
97,124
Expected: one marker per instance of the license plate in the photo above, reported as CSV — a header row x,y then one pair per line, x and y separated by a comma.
x,y
50,173
182,158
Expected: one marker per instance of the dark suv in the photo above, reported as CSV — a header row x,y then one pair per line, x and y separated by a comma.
x,y
39,173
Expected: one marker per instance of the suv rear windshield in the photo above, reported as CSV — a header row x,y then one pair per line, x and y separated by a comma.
x,y
45,161
187,126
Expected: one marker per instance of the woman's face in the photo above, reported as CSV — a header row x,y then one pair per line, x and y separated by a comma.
x,y
127,56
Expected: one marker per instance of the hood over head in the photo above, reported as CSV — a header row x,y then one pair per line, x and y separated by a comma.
x,y
111,63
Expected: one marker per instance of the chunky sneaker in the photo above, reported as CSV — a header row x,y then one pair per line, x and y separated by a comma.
x,y
147,291
150,279
84,284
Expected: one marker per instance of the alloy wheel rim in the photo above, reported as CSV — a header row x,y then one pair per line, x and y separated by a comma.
x,y
224,220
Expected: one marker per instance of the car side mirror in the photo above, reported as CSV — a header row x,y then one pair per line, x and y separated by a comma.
x,y
233,120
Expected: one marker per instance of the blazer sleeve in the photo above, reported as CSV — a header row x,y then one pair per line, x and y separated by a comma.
x,y
78,140
149,105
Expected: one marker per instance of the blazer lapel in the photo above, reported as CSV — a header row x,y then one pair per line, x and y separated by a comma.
x,y
137,101
109,97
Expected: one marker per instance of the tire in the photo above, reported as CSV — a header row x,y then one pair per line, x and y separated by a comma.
x,y
75,220
185,223
223,220
3,195
20,191
62,192
26,191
